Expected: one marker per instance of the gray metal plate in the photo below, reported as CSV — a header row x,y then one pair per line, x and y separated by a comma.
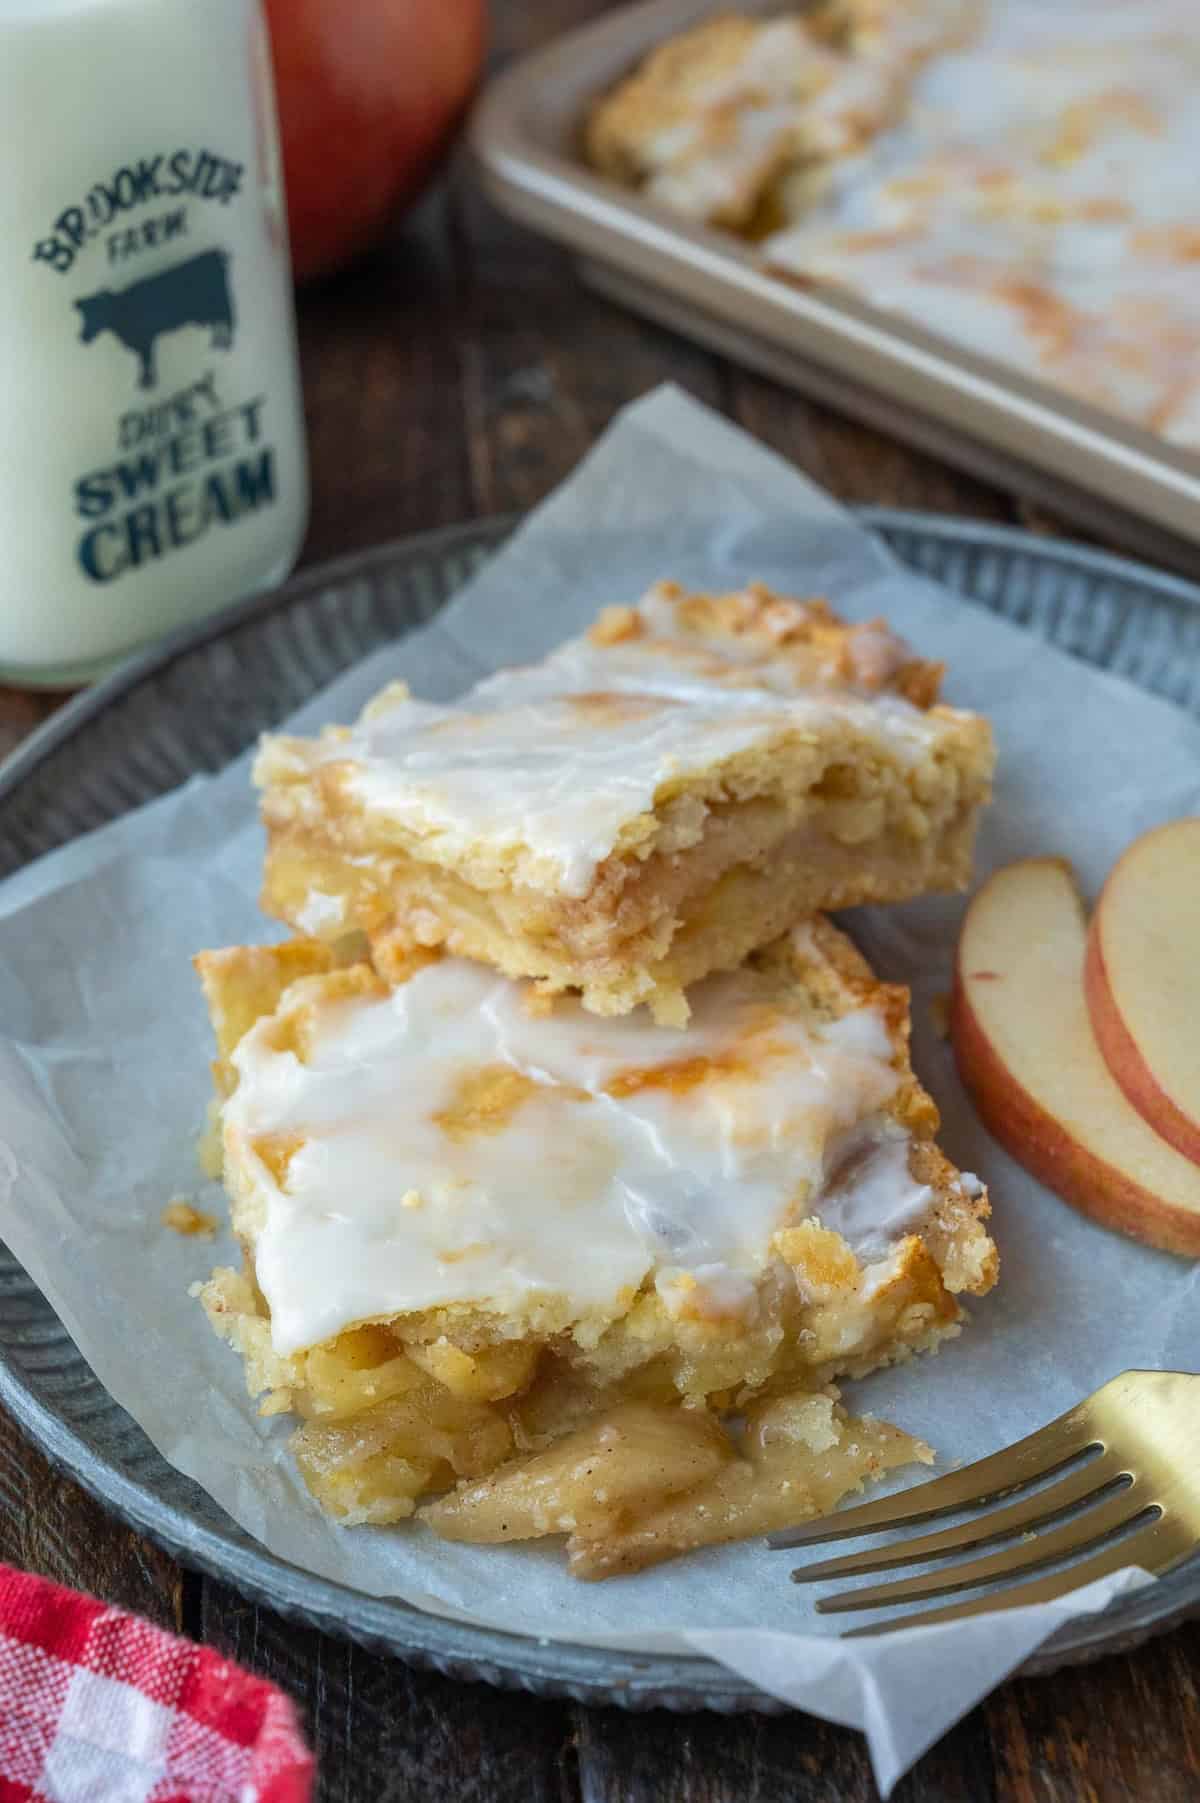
x,y
199,700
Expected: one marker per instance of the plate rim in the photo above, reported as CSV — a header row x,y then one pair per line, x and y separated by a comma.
x,y
595,1675
89,703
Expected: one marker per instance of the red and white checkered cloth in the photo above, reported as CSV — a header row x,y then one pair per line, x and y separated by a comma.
x,y
97,1706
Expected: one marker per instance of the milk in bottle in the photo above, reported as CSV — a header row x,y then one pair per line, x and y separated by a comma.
x,y
152,462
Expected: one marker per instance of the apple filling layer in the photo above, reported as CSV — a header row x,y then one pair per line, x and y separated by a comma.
x,y
532,1273
648,805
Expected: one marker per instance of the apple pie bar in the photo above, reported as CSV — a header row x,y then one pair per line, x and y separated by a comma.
x,y
737,121
1017,176
523,1271
647,805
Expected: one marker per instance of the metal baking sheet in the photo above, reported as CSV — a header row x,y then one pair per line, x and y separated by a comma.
x,y
1087,464
197,702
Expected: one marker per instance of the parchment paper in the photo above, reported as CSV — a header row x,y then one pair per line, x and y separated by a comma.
x,y
104,1079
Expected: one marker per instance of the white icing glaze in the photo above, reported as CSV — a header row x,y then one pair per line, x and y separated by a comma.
x,y
711,1292
521,766
869,1196
320,911
876,653
597,1180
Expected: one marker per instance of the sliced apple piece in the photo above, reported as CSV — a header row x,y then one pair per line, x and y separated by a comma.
x,y
1024,1044
1142,979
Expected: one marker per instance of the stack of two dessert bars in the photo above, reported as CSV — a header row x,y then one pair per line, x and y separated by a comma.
x,y
573,1152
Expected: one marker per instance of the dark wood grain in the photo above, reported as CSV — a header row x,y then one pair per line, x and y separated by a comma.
x,y
853,462
391,1735
1121,1731
383,361
50,1526
21,710
763,1759
462,369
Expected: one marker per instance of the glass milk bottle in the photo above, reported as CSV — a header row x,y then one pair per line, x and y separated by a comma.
x,y
152,462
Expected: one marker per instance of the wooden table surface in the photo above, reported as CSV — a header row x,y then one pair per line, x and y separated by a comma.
x,y
464,371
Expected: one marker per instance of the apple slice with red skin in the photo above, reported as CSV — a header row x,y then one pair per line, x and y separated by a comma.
x,y
1025,1047
1142,979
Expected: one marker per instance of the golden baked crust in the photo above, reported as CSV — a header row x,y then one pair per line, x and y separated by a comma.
x,y
734,121
756,759
610,1422
805,639
662,93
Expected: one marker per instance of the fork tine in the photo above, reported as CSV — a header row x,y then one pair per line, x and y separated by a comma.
x,y
1026,1555
997,1524
1035,1457
1156,1548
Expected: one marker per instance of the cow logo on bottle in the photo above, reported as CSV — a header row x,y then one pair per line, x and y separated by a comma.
x,y
182,456
193,293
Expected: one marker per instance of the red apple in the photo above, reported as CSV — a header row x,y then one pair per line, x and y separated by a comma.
x,y
370,93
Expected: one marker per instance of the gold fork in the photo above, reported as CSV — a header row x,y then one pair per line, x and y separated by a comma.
x,y
1127,1462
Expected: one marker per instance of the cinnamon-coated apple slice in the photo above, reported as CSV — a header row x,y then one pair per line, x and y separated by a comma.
x,y
1026,1051
1142,979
